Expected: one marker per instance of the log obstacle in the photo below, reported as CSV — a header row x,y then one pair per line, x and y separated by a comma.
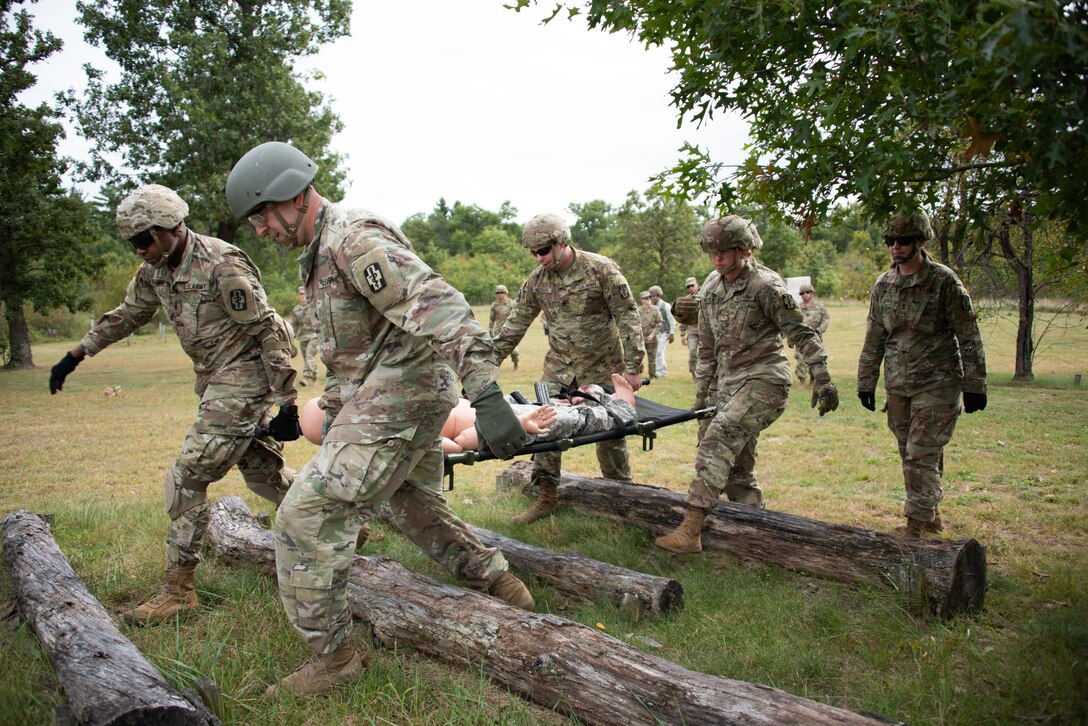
x,y
554,662
944,576
102,674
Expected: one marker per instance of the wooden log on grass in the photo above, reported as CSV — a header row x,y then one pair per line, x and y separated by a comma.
x,y
104,677
557,663
944,576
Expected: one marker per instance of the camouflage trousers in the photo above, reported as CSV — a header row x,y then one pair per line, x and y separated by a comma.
x,y
221,437
336,493
651,355
923,426
726,459
310,348
693,351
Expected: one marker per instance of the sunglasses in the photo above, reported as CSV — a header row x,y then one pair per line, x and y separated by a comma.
x,y
690,286
141,241
901,241
806,292
257,217
542,251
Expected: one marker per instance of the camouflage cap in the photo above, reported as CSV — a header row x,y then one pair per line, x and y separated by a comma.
x,y
544,229
730,233
644,295
909,225
302,290
151,205
690,281
656,290
807,288
501,288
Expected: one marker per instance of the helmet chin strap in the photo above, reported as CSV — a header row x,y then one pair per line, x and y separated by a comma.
x,y
908,258
164,258
292,229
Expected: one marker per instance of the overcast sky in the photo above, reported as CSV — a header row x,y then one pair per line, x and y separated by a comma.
x,y
466,100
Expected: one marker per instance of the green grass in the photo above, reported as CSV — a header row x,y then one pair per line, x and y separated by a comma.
x,y
1015,477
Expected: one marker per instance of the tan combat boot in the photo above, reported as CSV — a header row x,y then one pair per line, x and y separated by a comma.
x,y
512,591
320,674
545,504
176,595
918,529
685,538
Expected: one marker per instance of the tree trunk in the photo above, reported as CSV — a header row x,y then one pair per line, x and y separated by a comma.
x,y
1025,293
947,577
104,677
634,593
557,663
18,338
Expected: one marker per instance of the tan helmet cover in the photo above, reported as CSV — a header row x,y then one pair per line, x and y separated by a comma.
x,y
544,229
730,233
151,205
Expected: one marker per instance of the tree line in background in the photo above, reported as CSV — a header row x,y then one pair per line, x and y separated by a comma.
x,y
979,117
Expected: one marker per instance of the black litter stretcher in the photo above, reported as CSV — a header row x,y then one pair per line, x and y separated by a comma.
x,y
651,417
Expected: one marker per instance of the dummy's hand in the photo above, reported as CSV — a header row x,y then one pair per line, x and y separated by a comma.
x,y
285,425
537,421
496,422
824,392
686,310
634,380
868,399
973,402
61,370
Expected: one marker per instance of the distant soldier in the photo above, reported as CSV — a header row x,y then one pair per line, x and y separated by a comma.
x,y
651,326
668,329
593,331
395,337
922,325
689,331
306,324
500,311
744,311
815,316
241,352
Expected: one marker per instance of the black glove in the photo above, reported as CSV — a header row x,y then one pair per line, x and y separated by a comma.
x,y
285,426
973,402
868,399
68,364
496,422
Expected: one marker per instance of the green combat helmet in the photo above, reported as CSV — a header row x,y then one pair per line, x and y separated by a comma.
x,y
907,226
730,233
271,172
151,205
544,229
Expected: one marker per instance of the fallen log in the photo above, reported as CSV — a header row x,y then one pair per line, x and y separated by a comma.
x,y
634,593
944,576
557,663
104,677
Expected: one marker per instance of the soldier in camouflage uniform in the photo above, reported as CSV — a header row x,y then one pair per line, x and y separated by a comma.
x,y
393,333
241,353
689,332
744,310
650,317
922,325
305,319
816,317
593,331
500,311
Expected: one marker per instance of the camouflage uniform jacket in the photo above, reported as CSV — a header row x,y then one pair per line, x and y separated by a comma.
x,y
651,320
390,328
741,325
593,324
214,299
499,313
923,327
305,319
815,316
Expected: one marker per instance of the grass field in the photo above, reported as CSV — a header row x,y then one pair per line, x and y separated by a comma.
x,y
1015,481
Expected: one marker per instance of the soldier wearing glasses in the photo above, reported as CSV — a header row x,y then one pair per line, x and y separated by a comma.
x,y
594,330
922,325
241,353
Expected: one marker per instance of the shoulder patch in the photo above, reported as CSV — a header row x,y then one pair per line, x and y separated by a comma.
x,y
965,300
788,302
625,292
378,279
238,299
